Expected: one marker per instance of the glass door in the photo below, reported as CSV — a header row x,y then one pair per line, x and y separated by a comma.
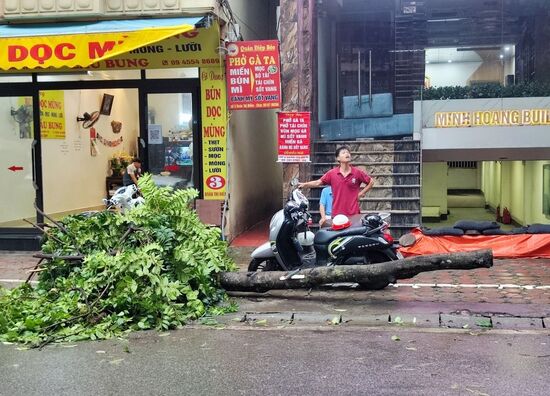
x,y
172,139
17,174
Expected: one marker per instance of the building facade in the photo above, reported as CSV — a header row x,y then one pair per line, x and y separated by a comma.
x,y
389,70
85,86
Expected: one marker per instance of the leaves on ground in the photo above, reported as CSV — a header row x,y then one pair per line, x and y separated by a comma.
x,y
395,338
397,320
484,323
153,267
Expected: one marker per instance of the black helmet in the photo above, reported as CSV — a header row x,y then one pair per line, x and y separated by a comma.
x,y
372,220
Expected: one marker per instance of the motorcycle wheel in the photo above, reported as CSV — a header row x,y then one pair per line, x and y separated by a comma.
x,y
373,258
259,265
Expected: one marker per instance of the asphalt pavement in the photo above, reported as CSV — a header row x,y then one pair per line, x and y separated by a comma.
x,y
480,332
286,361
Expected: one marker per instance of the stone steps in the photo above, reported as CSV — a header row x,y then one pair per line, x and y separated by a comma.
x,y
388,178
373,167
395,167
372,156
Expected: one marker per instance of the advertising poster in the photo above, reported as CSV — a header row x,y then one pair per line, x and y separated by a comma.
x,y
214,127
253,75
294,136
52,114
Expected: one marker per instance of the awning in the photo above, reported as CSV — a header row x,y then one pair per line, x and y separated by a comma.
x,y
73,45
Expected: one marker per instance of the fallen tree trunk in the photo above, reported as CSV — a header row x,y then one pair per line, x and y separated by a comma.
x,y
372,276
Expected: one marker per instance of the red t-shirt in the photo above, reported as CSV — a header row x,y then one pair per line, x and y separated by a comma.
x,y
345,190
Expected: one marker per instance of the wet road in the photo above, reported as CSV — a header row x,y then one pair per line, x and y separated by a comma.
x,y
288,361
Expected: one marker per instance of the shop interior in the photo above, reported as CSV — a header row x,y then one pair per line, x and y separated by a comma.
x,y
89,136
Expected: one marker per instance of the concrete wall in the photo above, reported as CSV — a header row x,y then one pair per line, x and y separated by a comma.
x,y
450,74
73,178
434,185
464,73
255,178
463,179
516,185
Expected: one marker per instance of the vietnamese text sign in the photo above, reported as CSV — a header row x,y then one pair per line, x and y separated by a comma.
x,y
52,114
458,119
196,48
294,136
77,50
253,75
214,128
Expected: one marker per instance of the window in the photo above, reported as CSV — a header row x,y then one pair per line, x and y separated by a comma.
x,y
462,164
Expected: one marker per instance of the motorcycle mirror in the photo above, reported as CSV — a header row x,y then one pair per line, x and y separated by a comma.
x,y
294,182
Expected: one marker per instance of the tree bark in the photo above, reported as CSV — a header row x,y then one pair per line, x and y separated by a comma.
x,y
372,276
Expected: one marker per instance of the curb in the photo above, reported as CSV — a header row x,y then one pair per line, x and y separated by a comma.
x,y
454,320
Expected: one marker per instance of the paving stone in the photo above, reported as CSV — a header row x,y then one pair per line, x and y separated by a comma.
x,y
275,318
367,320
456,321
503,322
420,320
315,318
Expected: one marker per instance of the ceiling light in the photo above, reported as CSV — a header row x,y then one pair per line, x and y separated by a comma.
x,y
506,48
501,56
449,61
427,61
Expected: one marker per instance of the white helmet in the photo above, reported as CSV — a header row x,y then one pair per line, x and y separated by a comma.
x,y
340,222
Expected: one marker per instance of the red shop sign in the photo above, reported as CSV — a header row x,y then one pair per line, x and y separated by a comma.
x,y
294,136
253,73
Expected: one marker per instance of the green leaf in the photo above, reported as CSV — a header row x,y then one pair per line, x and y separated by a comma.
x,y
159,275
484,323
395,338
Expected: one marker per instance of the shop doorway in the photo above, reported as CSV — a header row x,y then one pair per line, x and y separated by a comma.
x,y
17,154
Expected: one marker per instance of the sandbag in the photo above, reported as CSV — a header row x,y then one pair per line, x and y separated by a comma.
x,y
476,225
496,231
538,229
443,231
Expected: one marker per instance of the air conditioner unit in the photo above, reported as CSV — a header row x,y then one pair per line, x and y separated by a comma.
x,y
155,7
46,9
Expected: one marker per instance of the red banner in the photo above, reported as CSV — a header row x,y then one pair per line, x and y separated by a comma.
x,y
253,75
294,136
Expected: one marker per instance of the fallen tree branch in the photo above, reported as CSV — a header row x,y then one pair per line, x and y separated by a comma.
x,y
57,224
75,257
372,276
44,231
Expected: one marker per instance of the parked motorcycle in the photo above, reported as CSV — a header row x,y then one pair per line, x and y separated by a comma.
x,y
124,198
292,246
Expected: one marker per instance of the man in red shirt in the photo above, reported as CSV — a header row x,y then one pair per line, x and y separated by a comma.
x,y
345,181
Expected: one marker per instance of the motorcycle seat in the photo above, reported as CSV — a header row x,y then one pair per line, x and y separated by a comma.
x,y
323,237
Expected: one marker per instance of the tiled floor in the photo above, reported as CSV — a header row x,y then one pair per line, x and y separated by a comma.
x,y
253,237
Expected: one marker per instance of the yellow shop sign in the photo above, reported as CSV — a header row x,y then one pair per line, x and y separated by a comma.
x,y
196,48
214,132
460,119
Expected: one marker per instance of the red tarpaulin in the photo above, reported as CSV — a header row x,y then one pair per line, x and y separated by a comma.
x,y
503,246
